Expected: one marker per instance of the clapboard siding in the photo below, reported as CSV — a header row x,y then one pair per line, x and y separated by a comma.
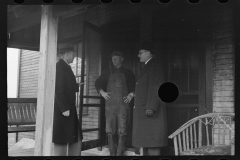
x,y
28,79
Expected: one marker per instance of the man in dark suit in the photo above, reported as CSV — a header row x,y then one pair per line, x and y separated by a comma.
x,y
67,131
116,86
149,113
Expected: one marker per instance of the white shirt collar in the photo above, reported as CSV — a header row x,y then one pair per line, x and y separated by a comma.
x,y
147,61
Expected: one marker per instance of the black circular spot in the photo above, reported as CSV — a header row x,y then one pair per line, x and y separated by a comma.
x,y
168,92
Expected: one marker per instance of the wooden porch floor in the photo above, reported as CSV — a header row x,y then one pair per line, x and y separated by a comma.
x,y
91,152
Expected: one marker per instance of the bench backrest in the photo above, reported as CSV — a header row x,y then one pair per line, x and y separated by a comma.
x,y
22,111
211,128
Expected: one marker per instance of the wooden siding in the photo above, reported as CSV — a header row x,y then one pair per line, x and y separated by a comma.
x,y
223,66
28,78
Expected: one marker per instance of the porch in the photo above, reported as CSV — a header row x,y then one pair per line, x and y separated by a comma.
x,y
197,52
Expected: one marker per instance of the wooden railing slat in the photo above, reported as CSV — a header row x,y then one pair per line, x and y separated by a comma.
x,y
179,142
224,129
200,133
187,139
175,145
207,131
191,137
195,136
184,140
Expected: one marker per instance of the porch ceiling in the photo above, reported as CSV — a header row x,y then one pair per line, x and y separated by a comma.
x,y
23,23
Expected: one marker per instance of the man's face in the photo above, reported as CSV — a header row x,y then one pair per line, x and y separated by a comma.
x,y
117,61
71,55
143,55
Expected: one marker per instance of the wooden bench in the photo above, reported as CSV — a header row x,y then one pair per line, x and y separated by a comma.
x,y
21,114
208,134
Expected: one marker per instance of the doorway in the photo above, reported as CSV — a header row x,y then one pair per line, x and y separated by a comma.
x,y
181,38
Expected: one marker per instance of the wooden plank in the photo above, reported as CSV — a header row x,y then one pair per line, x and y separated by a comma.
x,y
187,137
207,133
21,45
195,136
199,133
21,129
175,145
179,142
184,140
191,137
46,83
22,100
224,130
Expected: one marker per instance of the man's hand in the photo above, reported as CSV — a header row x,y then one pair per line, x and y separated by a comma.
x,y
149,112
66,113
105,95
128,98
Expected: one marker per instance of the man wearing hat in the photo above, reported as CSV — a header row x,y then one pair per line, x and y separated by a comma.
x,y
116,85
149,113
67,131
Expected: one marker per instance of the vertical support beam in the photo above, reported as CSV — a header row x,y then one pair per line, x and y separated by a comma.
x,y
46,82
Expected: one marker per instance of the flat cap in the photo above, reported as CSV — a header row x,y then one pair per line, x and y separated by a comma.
x,y
117,53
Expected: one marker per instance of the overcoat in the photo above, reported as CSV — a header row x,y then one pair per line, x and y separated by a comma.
x,y
65,129
149,131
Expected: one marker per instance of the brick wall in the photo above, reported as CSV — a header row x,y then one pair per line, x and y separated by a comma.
x,y
223,63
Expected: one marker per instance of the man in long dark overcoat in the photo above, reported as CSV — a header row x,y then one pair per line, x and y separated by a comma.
x,y
67,131
149,113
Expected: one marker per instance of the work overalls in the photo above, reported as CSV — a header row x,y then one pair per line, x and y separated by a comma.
x,y
117,113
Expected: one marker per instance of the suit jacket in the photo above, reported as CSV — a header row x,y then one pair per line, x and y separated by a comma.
x,y
149,131
65,129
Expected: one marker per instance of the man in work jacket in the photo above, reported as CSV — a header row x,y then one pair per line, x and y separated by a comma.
x,y
149,112
116,86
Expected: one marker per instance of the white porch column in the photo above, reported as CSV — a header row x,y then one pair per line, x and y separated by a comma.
x,y
46,82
